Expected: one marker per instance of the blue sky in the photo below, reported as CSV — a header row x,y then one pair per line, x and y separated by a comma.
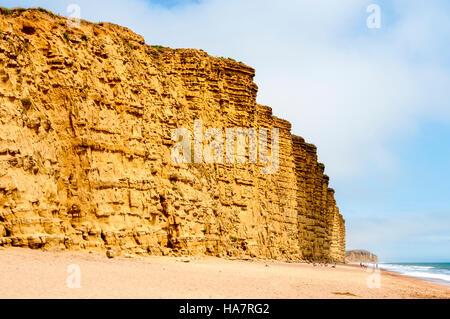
x,y
408,208
376,102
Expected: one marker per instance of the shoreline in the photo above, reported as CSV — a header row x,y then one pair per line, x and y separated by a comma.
x,y
426,279
34,274
439,283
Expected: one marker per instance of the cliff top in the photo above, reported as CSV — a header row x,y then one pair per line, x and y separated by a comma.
x,y
89,29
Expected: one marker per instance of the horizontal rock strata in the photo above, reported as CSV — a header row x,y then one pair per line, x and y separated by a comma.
x,y
85,151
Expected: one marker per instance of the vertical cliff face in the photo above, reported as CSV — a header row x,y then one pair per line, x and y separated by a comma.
x,y
321,227
87,116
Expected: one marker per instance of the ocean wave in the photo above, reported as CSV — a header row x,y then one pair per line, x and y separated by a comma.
x,y
407,267
430,273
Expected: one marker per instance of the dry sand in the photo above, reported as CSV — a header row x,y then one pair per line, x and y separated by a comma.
x,y
36,274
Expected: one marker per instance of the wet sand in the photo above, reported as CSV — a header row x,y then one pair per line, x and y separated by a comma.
x,y
28,273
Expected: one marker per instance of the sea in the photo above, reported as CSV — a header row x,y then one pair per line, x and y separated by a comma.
x,y
434,272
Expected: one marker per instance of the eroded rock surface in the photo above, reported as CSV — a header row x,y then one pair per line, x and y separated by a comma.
x,y
85,151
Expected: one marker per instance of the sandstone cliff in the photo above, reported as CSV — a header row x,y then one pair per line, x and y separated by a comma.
x,y
358,256
85,141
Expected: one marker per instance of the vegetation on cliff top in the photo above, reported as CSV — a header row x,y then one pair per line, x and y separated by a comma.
x,y
158,48
6,11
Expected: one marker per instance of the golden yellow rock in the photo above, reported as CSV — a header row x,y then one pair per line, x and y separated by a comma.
x,y
85,151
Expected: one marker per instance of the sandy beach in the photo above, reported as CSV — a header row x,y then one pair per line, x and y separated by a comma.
x,y
38,274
